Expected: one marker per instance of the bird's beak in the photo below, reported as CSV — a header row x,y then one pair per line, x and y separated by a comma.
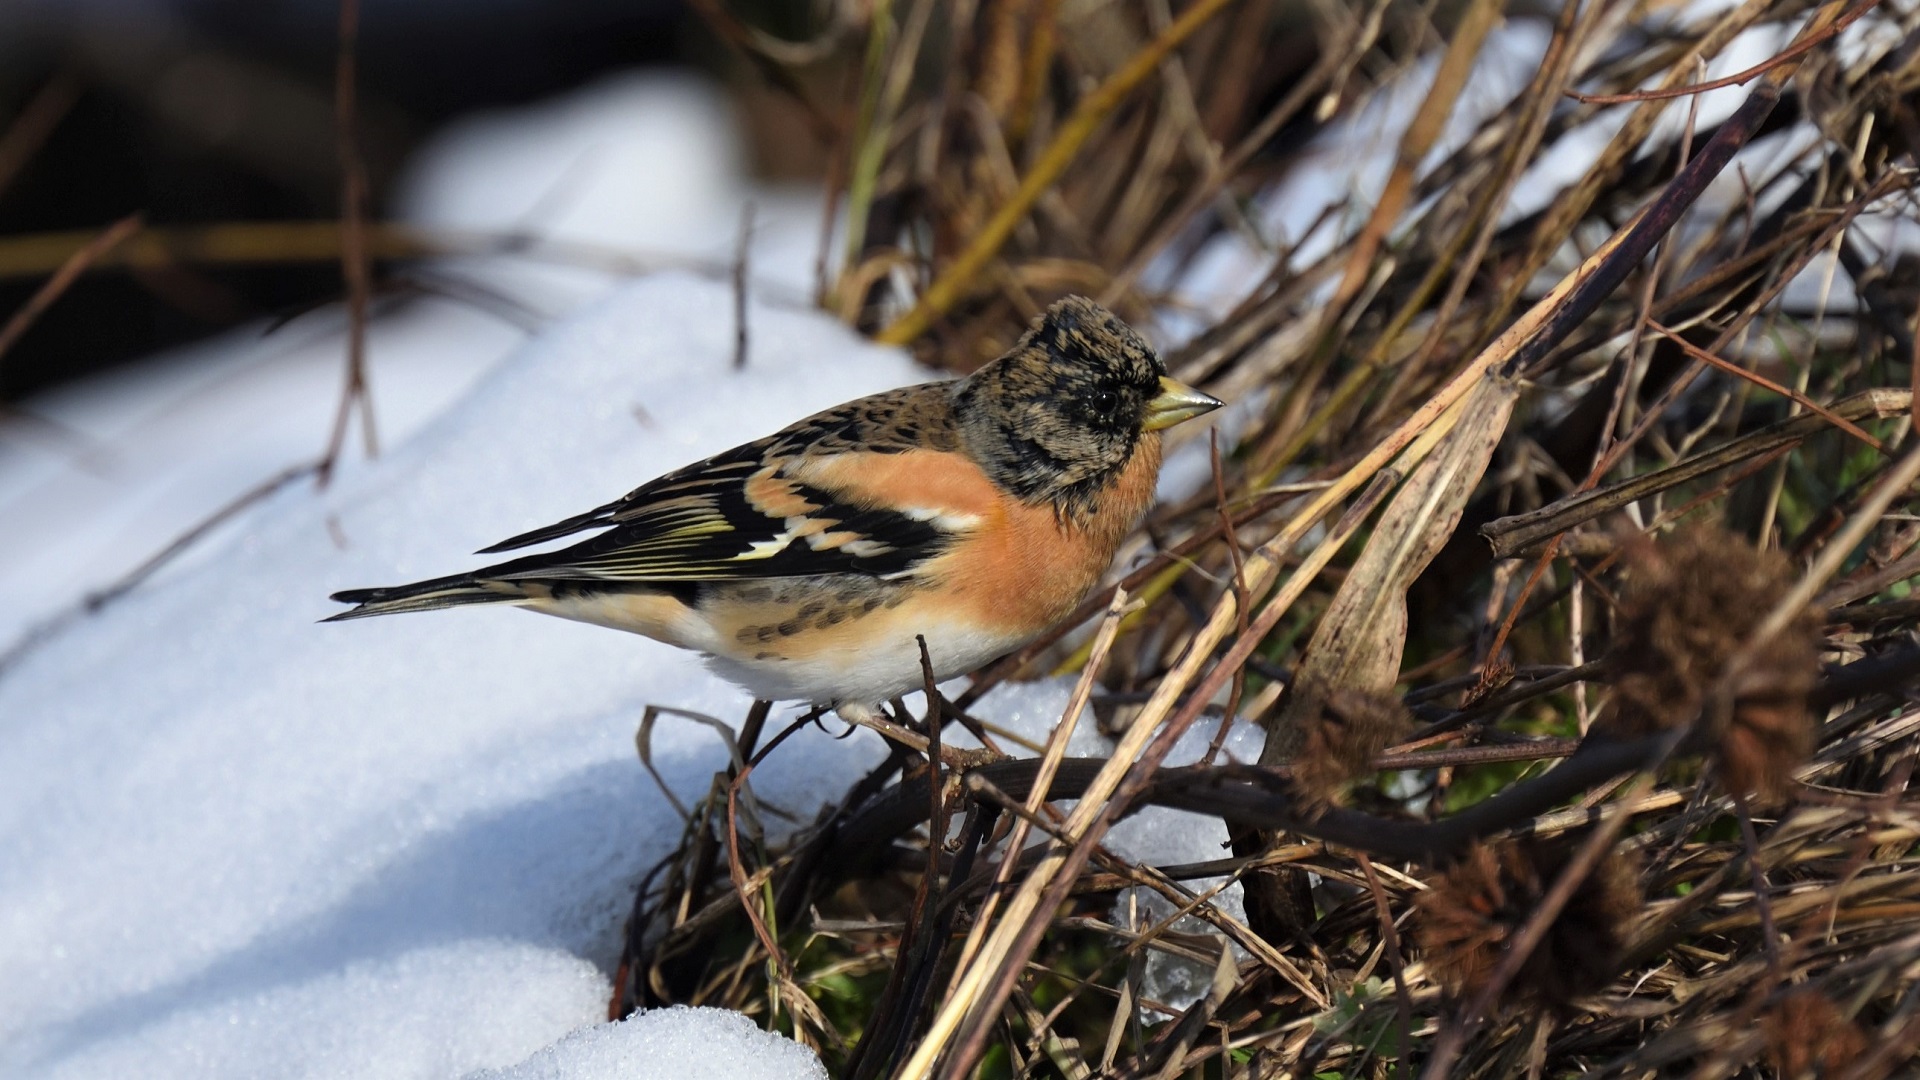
x,y
1177,403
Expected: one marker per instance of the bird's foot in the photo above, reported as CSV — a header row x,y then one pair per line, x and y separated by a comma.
x,y
876,719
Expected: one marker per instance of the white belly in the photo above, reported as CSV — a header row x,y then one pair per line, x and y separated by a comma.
x,y
868,657
888,667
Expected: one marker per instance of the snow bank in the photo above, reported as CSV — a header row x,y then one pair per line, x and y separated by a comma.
x,y
679,1043
648,165
233,842
170,439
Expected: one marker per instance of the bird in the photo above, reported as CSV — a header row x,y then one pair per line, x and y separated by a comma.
x,y
805,566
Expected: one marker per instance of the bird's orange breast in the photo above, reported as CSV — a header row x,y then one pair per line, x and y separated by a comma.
x,y
1013,565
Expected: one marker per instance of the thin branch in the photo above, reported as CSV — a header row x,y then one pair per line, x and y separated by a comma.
x,y
1740,78
56,286
1757,379
35,122
355,266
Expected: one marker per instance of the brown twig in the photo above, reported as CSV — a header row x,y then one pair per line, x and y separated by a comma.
x,y
742,250
35,123
56,286
1740,78
1518,534
1757,379
355,267
1390,941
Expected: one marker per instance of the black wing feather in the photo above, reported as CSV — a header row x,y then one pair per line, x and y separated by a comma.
x,y
696,523
721,544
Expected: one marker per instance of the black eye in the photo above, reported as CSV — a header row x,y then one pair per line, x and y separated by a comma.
x,y
1104,401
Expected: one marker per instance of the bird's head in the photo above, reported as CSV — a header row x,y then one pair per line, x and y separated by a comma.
x,y
1067,407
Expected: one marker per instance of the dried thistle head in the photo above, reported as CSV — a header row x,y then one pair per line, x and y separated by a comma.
x,y
1690,605
1343,731
1808,1036
1475,908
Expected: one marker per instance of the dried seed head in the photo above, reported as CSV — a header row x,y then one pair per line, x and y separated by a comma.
x,y
1344,731
1688,608
1808,1036
1476,907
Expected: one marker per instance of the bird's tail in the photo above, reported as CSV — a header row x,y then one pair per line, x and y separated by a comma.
x,y
458,590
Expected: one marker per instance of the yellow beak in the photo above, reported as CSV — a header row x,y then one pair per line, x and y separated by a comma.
x,y
1177,403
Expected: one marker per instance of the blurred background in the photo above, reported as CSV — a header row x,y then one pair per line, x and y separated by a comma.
x,y
213,111
203,353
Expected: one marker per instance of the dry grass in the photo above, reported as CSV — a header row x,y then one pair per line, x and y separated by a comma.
x,y
1717,881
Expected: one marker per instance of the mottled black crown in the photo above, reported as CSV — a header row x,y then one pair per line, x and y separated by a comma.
x,y
1080,335
1064,409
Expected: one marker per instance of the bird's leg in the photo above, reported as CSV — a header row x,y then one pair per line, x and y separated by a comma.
x,y
905,718
876,719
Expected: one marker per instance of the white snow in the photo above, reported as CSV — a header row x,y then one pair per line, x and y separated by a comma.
x,y
1328,194
645,166
233,842
676,1043
175,437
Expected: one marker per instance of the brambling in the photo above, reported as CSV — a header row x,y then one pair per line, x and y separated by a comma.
x,y
975,513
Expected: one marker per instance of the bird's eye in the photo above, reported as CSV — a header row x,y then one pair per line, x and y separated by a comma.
x,y
1104,401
